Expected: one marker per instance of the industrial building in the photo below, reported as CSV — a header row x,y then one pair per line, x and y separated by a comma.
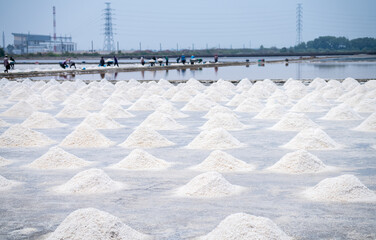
x,y
31,43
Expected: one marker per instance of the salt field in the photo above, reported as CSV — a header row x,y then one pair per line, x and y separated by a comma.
x,y
156,160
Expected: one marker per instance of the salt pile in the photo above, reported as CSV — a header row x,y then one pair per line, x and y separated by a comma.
x,y
143,137
366,105
220,161
181,96
217,138
42,120
225,121
101,121
20,136
250,105
349,83
90,223
219,109
85,136
72,111
90,105
90,181
199,103
236,100
39,103
169,109
209,184
242,226
4,123
57,158
345,188
147,104
306,105
20,109
114,110
342,112
271,112
6,184
298,162
312,139
4,162
368,125
139,159
161,121
294,122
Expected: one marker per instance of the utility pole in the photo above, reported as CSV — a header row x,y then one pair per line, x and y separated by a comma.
x,y
299,23
117,46
160,47
193,46
140,46
3,41
108,30
92,46
177,47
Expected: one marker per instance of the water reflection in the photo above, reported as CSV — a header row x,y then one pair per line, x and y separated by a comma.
x,y
283,70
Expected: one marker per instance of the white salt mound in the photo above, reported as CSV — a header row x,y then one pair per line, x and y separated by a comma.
x,y
225,121
85,136
143,137
219,109
89,182
209,184
42,120
114,110
250,105
220,161
345,188
4,162
101,121
4,123
297,162
271,112
169,109
20,136
306,105
242,226
139,159
368,125
312,139
6,184
161,121
217,138
57,158
294,122
342,112
90,223
199,103
72,111
20,109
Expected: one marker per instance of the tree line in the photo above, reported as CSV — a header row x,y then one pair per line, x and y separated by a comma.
x,y
320,45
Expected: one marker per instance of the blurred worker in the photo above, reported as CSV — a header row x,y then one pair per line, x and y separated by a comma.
x,y
166,59
215,58
116,61
12,62
142,61
183,59
6,64
101,62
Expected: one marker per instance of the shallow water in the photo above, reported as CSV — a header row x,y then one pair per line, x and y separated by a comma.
x,y
304,70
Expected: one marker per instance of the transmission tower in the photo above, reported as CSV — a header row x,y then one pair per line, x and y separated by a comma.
x,y
108,29
299,23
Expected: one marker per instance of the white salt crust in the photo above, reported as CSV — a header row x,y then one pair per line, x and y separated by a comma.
x,y
294,122
368,125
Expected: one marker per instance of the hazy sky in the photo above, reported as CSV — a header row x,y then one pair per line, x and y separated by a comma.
x,y
224,23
